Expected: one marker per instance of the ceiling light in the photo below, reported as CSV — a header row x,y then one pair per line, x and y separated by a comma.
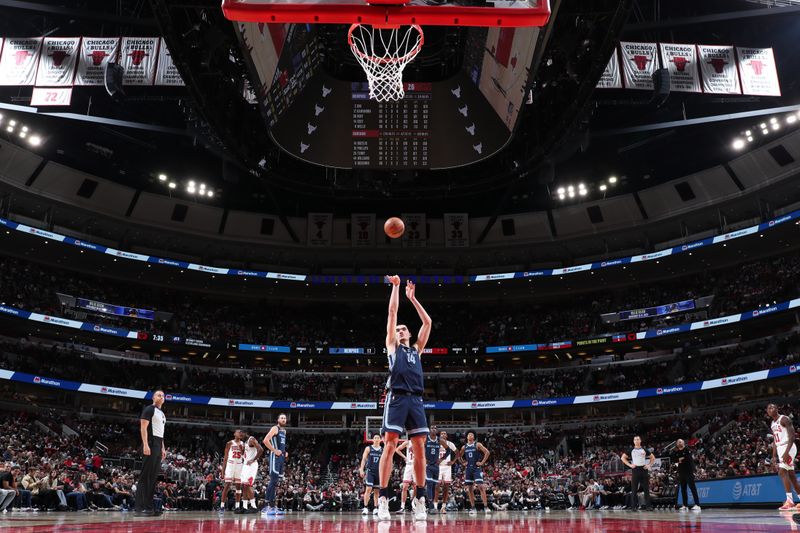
x,y
764,132
773,120
612,179
172,184
582,192
162,177
191,190
791,119
10,129
210,194
738,144
763,125
25,129
202,185
35,140
749,139
571,188
603,187
191,183
202,192
561,196
748,133
581,186
561,190
572,194
776,126
12,122
23,134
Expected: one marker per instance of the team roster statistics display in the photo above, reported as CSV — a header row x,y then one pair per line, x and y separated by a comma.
x,y
392,134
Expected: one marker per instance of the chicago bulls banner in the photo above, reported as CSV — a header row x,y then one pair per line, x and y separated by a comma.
x,y
167,73
416,234
611,78
18,61
718,69
639,63
681,61
138,56
320,229
757,68
57,61
96,53
362,229
456,230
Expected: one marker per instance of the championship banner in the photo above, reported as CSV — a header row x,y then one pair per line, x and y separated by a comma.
x,y
681,61
138,56
416,233
611,78
456,230
18,61
718,68
96,53
758,71
362,229
320,229
166,72
57,61
639,63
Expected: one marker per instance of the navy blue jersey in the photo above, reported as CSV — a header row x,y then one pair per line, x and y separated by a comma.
x,y
374,459
471,453
432,450
279,440
405,371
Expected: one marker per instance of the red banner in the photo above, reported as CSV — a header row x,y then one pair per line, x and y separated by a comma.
x,y
96,53
57,61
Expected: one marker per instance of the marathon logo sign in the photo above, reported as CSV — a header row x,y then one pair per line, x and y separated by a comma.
x,y
10,311
765,311
246,273
107,331
362,406
115,392
178,398
492,277
42,233
667,331
46,381
779,220
669,390
613,262
735,380
169,262
533,274
128,255
543,403
87,245
297,405
57,321
241,403
719,321
692,246
287,277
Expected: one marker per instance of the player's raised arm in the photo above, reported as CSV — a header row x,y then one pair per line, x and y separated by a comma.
x,y
425,330
391,321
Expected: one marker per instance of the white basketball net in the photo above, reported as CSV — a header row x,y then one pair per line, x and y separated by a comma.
x,y
383,54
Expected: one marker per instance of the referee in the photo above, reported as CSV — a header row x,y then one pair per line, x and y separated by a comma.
x,y
151,427
682,457
640,477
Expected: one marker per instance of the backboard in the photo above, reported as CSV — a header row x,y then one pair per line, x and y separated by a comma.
x,y
392,13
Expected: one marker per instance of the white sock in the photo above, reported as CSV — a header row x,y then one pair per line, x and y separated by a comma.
x,y
237,504
789,497
252,502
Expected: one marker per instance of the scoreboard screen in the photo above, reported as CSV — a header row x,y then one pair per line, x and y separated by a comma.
x,y
436,125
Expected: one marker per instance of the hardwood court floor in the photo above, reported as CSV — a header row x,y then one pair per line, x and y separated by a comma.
x,y
709,520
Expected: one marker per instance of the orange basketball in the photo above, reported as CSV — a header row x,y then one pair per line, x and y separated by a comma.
x,y
394,227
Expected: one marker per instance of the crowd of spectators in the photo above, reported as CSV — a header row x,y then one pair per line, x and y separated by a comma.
x,y
195,315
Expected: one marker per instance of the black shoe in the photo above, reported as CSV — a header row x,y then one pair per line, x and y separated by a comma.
x,y
238,510
158,513
144,513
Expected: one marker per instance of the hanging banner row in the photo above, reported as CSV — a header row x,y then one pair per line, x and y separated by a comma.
x,y
693,68
68,61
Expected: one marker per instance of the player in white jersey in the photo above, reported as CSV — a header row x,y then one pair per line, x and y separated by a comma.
x,y
252,453
233,459
784,450
447,454
407,453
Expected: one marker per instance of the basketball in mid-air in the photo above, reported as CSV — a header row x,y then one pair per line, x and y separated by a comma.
x,y
394,227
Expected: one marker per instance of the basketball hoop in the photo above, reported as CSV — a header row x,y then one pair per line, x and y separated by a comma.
x,y
383,54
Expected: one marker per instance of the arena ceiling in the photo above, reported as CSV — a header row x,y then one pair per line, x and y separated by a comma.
x,y
569,134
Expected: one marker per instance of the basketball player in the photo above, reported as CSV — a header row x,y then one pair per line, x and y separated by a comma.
x,y
408,473
252,453
784,451
447,454
404,411
371,459
473,475
275,441
232,463
432,448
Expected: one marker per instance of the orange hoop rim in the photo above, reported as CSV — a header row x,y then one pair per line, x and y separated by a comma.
x,y
381,60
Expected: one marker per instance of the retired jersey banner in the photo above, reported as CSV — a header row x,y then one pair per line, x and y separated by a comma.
x,y
167,73
611,78
456,230
96,53
681,61
362,229
758,71
18,61
639,63
57,61
320,229
718,69
416,232
51,96
139,56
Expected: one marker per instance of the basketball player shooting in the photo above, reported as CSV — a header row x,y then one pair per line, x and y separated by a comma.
x,y
784,450
404,411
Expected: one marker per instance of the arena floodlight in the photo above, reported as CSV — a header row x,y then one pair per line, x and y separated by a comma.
x,y
25,129
172,184
561,190
162,177
202,185
581,186
191,190
35,140
582,192
23,134
572,194
773,120
738,144
10,129
748,133
776,126
765,132
210,194
763,125
612,179
749,139
791,119
191,183
571,189
12,122
561,196
603,187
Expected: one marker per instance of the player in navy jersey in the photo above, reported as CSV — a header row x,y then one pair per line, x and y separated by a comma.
x,y
370,463
404,410
432,447
275,442
468,456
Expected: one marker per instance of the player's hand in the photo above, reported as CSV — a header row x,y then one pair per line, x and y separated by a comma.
x,y
163,454
362,474
647,467
251,461
394,280
787,459
410,288
278,453
146,450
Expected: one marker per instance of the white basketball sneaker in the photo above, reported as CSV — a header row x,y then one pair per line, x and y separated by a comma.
x,y
383,509
418,506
